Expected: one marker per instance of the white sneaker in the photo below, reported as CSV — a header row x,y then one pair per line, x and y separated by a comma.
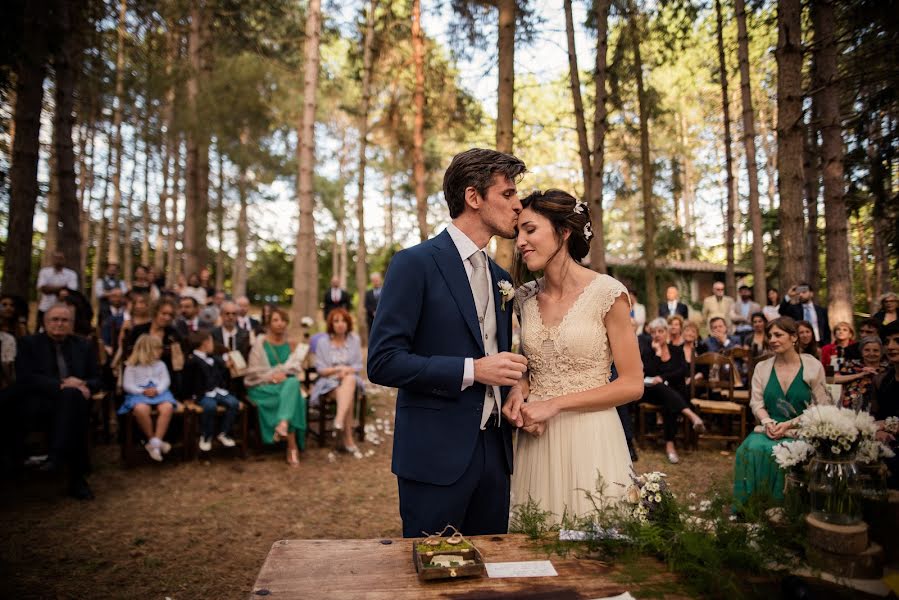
x,y
154,452
165,447
225,441
205,444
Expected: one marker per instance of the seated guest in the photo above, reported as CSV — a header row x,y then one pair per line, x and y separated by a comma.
x,y
772,308
742,310
13,315
833,354
206,282
272,386
718,340
782,387
638,313
807,343
857,376
146,383
160,327
244,320
112,320
56,373
675,330
889,309
886,398
692,348
142,284
266,316
866,328
338,361
188,319
665,371
756,341
137,312
228,337
104,288
194,289
205,379
84,314
7,359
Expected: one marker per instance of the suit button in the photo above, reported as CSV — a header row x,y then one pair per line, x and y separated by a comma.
x,y
490,393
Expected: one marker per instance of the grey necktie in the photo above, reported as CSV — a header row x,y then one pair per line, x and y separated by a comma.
x,y
479,287
61,366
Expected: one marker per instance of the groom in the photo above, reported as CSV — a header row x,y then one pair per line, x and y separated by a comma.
x,y
442,335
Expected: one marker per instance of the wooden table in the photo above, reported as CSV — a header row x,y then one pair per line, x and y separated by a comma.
x,y
350,569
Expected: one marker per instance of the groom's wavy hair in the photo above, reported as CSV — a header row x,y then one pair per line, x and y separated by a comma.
x,y
476,168
558,206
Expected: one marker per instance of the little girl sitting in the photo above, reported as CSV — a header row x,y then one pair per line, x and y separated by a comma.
x,y
146,383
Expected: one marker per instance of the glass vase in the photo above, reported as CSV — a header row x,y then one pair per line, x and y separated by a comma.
x,y
834,487
796,498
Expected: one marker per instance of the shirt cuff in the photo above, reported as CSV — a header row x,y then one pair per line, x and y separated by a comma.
x,y
468,374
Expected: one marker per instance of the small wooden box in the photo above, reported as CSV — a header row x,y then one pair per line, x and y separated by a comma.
x,y
468,552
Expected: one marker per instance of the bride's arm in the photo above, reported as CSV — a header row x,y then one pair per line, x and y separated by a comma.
x,y
626,388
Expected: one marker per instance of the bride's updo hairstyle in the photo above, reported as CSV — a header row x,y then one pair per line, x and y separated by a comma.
x,y
564,213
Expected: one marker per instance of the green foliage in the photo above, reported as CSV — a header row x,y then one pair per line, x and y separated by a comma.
x,y
271,274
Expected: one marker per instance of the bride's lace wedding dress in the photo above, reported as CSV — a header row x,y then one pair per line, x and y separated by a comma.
x,y
559,467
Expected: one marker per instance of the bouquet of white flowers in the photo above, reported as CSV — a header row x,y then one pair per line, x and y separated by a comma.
x,y
834,430
891,424
646,494
871,451
792,454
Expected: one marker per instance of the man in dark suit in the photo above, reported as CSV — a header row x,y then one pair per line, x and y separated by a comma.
x,y
335,297
799,305
188,320
371,298
672,304
229,337
56,373
440,337
244,320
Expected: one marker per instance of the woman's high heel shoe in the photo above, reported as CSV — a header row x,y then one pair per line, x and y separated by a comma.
x,y
293,458
279,434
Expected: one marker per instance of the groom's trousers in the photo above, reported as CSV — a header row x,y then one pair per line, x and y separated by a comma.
x,y
476,504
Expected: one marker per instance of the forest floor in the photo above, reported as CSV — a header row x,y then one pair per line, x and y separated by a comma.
x,y
202,529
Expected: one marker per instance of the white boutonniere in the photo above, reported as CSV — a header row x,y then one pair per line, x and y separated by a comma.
x,y
506,291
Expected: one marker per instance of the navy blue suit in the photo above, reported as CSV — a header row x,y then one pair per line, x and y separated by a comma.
x,y
448,469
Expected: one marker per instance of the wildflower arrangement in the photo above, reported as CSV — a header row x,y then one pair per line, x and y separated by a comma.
x,y
834,430
792,454
646,494
871,451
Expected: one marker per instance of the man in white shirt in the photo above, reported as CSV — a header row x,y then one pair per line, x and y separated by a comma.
x,y
244,320
742,311
50,280
336,297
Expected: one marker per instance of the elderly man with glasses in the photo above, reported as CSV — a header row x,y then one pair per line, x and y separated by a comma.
x,y
56,373
718,305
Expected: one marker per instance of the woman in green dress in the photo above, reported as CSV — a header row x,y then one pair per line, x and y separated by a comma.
x,y
782,387
273,386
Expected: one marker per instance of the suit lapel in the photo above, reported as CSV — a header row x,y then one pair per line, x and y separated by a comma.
x,y
502,321
450,264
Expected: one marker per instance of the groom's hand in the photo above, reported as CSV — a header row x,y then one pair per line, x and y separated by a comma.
x,y
512,406
505,368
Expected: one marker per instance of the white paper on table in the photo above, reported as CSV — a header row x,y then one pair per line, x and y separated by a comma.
x,y
529,568
624,596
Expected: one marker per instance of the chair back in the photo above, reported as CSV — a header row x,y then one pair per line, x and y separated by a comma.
x,y
720,377
754,360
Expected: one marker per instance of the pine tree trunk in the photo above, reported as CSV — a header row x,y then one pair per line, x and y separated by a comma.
x,y
220,222
128,225
388,212
759,281
863,254
361,249
114,224
418,123
730,280
196,207
174,261
239,282
51,237
145,201
600,125
574,80
101,229
30,73
649,228
836,222
811,174
789,140
879,185
305,266
505,103
86,180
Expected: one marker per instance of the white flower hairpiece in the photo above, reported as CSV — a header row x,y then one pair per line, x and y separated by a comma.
x,y
580,207
588,231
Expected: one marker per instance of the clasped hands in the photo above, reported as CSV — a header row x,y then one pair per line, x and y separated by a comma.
x,y
507,369
78,384
776,431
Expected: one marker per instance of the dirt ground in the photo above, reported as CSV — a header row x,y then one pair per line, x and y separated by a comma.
x,y
202,529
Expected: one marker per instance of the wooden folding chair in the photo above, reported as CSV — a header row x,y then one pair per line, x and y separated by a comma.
x,y
318,417
242,424
129,456
705,394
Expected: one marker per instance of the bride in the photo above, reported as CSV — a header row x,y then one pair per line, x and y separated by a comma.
x,y
574,324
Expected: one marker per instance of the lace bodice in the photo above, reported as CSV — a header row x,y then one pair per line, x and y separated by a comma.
x,y
574,355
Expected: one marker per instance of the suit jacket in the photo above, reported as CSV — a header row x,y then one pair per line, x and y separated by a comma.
x,y
200,377
736,317
681,309
795,312
371,305
253,325
711,307
425,327
36,362
241,342
342,302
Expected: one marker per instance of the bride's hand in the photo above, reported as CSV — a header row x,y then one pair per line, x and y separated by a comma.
x,y
538,412
512,406
536,429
